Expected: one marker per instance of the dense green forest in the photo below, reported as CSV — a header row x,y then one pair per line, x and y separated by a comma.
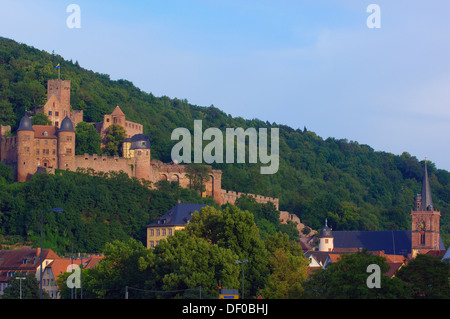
x,y
349,183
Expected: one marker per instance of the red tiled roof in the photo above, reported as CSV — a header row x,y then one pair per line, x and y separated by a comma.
x,y
22,260
39,131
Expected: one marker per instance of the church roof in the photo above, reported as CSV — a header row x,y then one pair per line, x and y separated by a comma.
x,y
179,215
427,201
396,242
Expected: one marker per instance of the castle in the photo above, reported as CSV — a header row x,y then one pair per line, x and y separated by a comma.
x,y
37,148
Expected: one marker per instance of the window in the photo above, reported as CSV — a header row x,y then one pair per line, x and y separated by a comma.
x,y
53,151
164,232
152,244
45,142
152,232
170,231
37,151
26,149
49,112
26,137
69,138
68,151
157,232
56,113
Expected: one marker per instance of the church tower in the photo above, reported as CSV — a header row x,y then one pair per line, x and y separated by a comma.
x,y
326,239
425,220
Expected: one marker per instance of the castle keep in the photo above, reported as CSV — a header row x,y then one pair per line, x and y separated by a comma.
x,y
42,147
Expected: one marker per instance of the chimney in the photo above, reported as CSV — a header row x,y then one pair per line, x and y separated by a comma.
x,y
38,252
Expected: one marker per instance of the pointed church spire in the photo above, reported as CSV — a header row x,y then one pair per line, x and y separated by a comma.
x,y
427,201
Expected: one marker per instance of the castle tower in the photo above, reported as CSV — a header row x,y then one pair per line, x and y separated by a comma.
x,y
326,239
425,220
58,101
140,144
66,145
26,161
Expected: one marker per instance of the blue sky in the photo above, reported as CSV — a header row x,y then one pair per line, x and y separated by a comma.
x,y
299,63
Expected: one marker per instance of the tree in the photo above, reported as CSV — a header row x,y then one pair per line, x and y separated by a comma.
x,y
236,230
114,137
41,119
185,262
29,287
288,268
125,264
87,139
198,174
347,279
427,276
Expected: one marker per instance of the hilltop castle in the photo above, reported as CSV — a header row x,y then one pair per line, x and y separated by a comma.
x,y
40,147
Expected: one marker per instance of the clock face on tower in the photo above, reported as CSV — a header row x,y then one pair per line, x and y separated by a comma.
x,y
421,225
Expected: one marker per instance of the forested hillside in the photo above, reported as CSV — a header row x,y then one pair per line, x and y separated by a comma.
x,y
350,184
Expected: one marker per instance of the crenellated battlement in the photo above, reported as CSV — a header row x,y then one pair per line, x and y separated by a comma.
x,y
232,196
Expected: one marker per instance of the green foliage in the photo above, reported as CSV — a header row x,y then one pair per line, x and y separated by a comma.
x,y
427,277
41,119
98,208
29,287
347,279
353,185
236,230
288,268
186,262
87,139
115,134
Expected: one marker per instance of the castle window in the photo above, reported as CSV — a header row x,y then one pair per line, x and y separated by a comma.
x,y
26,149
157,232
37,142
45,134
164,232
170,231
69,138
54,142
49,112
152,232
46,142
56,113
37,151
56,123
68,151
53,151
26,137
152,244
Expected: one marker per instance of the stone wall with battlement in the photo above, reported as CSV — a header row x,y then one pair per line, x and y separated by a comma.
x,y
232,196
103,163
